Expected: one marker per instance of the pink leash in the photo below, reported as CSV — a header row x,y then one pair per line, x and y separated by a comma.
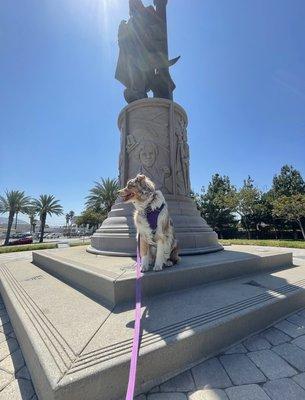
x,y
136,333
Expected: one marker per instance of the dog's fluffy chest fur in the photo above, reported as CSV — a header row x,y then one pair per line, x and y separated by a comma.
x,y
155,203
158,246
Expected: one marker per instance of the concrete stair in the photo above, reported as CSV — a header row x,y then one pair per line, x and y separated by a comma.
x,y
77,340
112,279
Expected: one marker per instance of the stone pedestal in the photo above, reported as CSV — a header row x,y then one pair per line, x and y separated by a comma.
x,y
154,143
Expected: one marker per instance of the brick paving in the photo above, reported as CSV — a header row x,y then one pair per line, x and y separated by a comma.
x,y
15,380
266,366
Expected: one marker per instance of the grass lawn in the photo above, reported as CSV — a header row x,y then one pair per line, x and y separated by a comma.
x,y
36,246
295,244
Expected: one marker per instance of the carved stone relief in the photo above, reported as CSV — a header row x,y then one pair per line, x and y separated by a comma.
x,y
121,155
155,147
182,157
147,146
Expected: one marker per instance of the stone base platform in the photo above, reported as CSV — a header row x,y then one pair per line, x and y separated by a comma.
x,y
112,279
79,348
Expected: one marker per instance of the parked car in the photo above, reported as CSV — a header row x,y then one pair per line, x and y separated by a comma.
x,y
18,239
53,235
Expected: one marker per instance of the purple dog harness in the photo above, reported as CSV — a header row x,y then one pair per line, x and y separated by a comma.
x,y
152,216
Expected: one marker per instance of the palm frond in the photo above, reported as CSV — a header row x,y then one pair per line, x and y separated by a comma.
x,y
47,205
14,201
102,195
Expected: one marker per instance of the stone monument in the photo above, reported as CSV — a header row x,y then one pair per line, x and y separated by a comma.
x,y
153,137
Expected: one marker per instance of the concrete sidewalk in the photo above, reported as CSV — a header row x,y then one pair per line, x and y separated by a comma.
x,y
267,366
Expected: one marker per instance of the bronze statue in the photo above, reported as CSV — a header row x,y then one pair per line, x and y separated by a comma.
x,y
143,63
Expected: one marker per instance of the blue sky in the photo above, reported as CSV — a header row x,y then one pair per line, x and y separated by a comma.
x,y
241,78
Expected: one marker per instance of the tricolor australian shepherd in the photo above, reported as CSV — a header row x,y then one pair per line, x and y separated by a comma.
x,y
158,246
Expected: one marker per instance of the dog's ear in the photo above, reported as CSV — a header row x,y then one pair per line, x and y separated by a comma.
x,y
149,185
140,177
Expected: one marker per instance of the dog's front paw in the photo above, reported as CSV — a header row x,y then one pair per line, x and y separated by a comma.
x,y
158,267
145,265
145,268
169,263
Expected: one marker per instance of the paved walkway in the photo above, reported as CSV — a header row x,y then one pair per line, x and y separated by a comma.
x,y
268,366
20,255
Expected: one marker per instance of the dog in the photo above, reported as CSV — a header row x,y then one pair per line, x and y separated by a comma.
x,y
158,245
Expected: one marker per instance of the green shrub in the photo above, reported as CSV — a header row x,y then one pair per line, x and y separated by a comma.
x,y
295,244
26,247
37,246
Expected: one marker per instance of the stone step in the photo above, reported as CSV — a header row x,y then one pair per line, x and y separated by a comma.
x,y
76,348
112,279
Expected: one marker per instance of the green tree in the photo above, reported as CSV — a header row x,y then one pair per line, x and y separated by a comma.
x,y
12,202
249,205
103,195
91,218
67,230
31,213
291,208
67,219
46,205
288,182
71,216
271,221
218,203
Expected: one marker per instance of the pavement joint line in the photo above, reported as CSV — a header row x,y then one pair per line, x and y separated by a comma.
x,y
44,316
202,318
104,354
151,342
87,343
293,366
123,273
31,316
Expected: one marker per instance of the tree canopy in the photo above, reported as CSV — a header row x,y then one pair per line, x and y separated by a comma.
x,y
218,203
91,218
102,195
249,205
291,208
288,182
46,205
13,202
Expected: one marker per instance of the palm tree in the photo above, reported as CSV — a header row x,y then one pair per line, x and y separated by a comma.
x,y
67,230
31,213
71,216
13,202
103,195
16,220
46,205
67,224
